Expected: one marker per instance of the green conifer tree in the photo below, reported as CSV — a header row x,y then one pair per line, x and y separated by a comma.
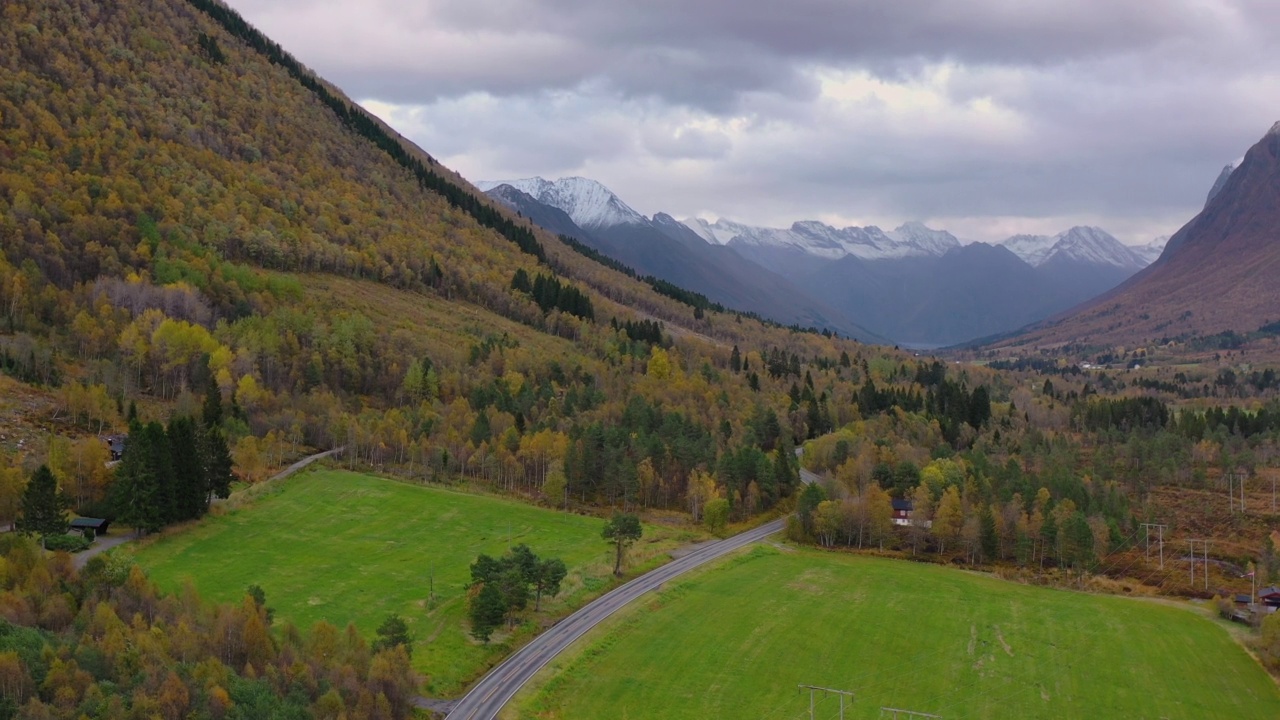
x,y
44,509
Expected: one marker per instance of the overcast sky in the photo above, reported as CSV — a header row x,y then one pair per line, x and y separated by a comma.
x,y
983,117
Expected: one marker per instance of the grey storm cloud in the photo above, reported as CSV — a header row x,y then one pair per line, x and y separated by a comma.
x,y
707,52
979,113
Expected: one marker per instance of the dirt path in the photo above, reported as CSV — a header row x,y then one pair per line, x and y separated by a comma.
x,y
104,544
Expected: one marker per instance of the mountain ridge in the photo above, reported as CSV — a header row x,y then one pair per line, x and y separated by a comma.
x,y
800,273
1216,274
666,249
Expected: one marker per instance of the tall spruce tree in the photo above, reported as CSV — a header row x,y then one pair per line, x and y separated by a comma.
x,y
160,461
44,509
190,485
132,492
215,456
211,413
142,492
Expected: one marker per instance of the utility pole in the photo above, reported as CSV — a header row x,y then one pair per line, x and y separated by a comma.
x,y
1193,561
842,694
1205,545
1160,539
1206,564
1237,477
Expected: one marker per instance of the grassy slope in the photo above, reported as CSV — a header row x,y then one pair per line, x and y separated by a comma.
x,y
736,641
344,547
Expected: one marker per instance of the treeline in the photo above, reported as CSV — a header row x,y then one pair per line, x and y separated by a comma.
x,y
1147,413
1039,365
952,404
1042,532
1233,420
658,458
643,331
1125,414
104,643
551,294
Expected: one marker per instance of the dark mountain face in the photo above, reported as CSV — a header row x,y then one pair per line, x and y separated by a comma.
x,y
1220,183
668,250
1218,273
971,291
545,216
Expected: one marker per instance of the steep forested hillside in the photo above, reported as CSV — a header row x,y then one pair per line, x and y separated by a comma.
x,y
182,204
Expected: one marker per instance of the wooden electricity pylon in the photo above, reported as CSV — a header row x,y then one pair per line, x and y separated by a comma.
x,y
842,694
1235,479
1205,545
1160,539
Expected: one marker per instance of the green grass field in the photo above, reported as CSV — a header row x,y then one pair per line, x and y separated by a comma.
x,y
735,641
344,547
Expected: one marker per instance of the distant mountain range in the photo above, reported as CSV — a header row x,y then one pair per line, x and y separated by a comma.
x,y
1219,273
665,248
914,284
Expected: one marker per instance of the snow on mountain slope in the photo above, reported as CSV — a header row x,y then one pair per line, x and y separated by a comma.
x,y
1081,244
1033,249
587,202
1151,251
822,240
1096,246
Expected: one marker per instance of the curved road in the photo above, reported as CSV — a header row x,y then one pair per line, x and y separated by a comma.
x,y
487,697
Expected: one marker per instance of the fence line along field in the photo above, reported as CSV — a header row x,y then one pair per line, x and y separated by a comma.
x,y
737,639
345,547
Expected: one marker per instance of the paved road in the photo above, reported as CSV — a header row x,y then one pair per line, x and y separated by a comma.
x,y
487,697
490,694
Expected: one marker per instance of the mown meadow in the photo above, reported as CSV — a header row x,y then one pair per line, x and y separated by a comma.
x,y
348,547
736,640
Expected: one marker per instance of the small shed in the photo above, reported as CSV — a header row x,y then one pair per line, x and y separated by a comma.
x,y
97,525
1244,600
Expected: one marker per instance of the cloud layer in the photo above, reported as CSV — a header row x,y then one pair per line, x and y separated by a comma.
x,y
985,117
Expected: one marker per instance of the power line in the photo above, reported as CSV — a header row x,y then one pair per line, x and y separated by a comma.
x,y
895,713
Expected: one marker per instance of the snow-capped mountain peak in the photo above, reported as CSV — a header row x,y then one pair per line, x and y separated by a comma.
x,y
1033,249
1080,244
588,203
823,240
917,234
